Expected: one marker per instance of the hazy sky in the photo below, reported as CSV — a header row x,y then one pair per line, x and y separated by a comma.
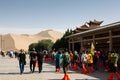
x,y
32,16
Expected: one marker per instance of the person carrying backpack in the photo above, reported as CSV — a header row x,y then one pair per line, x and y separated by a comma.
x,y
113,66
66,62
58,60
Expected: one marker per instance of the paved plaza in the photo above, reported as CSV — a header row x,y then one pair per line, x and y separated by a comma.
x,y
9,70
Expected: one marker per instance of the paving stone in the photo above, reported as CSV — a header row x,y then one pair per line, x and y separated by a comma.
x,y
9,70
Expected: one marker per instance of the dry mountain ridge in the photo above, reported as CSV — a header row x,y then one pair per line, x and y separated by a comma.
x,y
22,41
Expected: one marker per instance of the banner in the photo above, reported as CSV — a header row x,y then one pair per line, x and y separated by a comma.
x,y
92,48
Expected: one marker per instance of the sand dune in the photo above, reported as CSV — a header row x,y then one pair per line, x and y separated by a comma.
x,y
16,42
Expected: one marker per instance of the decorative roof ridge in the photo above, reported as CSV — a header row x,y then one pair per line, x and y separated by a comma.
x,y
94,22
100,28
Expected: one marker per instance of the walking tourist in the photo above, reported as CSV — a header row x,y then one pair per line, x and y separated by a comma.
x,y
58,60
40,57
113,66
84,59
22,60
33,59
66,62
90,63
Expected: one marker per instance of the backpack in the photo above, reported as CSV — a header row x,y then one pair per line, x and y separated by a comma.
x,y
66,59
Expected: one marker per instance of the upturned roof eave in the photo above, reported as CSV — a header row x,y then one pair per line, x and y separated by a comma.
x,y
97,29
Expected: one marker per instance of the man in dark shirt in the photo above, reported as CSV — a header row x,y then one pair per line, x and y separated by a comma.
x,y
33,59
40,56
22,60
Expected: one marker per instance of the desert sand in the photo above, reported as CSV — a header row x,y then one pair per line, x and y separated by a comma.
x,y
22,41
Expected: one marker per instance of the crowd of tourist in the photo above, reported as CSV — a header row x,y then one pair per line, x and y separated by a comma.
x,y
84,60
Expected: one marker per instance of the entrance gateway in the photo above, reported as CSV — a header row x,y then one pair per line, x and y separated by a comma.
x,y
105,37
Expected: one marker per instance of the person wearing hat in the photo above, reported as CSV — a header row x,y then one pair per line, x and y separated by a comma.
x,y
22,60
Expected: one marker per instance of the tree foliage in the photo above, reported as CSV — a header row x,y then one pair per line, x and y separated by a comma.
x,y
31,46
49,45
42,45
63,42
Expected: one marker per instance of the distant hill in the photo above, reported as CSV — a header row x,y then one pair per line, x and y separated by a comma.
x,y
22,41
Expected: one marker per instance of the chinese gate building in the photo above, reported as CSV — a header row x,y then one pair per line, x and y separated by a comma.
x,y
105,37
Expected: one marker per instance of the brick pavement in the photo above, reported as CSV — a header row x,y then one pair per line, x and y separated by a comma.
x,y
9,70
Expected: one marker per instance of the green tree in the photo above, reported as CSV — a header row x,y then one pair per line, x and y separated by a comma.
x,y
57,45
42,45
31,46
63,42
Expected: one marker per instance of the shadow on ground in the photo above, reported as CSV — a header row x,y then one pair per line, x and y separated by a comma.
x,y
13,73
